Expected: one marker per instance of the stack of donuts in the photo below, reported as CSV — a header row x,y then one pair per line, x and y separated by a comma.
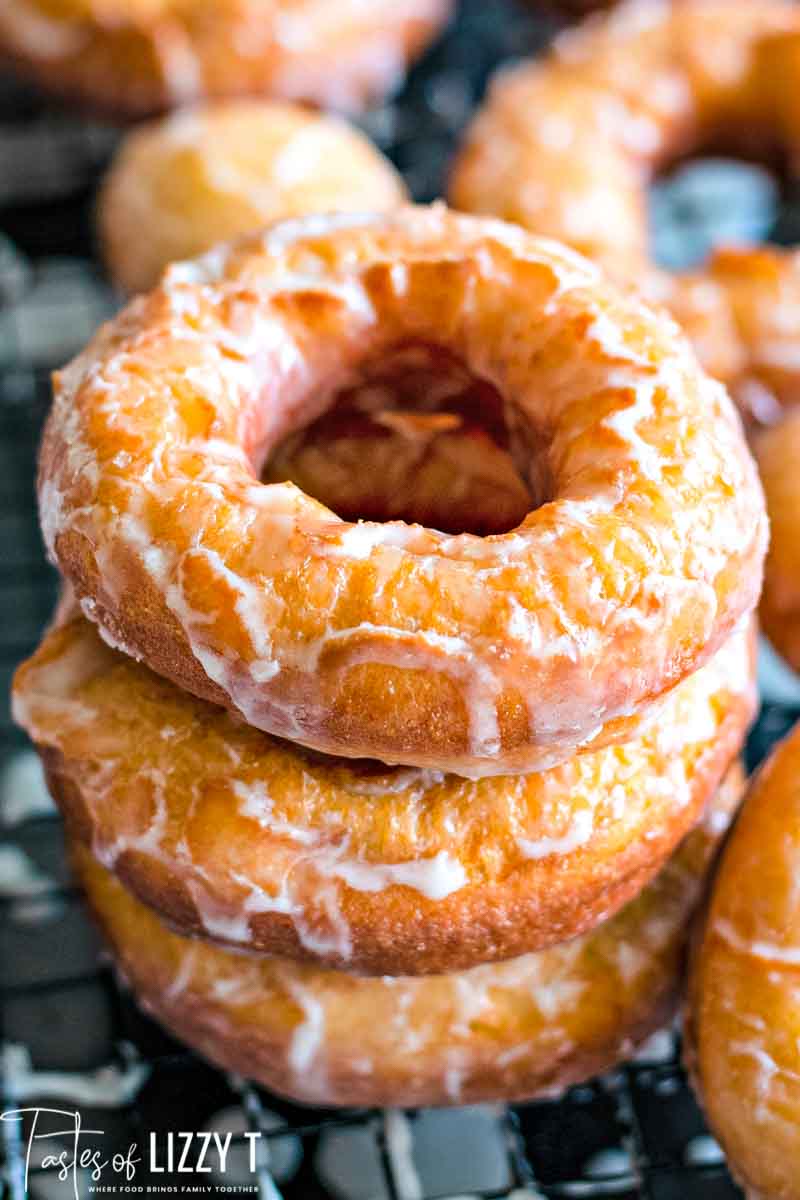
x,y
406,648
376,811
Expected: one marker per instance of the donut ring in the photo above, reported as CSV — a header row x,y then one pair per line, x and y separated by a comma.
x,y
209,174
744,1021
133,58
234,836
474,655
507,1031
567,146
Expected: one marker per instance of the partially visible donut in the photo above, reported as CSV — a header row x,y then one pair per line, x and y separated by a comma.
x,y
777,452
208,174
237,837
566,145
133,58
510,1031
743,1021
640,556
742,313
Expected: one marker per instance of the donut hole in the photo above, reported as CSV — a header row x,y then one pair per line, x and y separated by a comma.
x,y
416,437
718,198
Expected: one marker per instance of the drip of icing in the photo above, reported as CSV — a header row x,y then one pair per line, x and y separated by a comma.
x,y
455,656
256,803
308,1036
767,1070
787,955
578,834
434,878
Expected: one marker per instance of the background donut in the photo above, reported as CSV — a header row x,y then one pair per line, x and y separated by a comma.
x,y
743,1021
131,58
567,144
208,174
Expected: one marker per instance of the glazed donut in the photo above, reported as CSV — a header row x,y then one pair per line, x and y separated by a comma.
x,y
567,145
209,174
641,554
743,1025
132,58
238,837
508,1031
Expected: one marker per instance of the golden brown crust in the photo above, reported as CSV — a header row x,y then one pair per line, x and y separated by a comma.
x,y
509,1031
474,655
234,836
743,1020
212,173
132,59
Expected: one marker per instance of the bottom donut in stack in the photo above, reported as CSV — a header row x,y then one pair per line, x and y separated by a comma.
x,y
183,821
528,1026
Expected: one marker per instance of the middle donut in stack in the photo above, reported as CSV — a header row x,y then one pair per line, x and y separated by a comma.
x,y
560,701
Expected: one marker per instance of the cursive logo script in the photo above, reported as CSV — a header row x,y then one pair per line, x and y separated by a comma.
x,y
68,1162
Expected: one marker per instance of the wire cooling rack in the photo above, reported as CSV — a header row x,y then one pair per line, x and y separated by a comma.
x,y
70,1034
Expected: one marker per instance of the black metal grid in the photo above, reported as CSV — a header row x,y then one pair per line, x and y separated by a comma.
x,y
634,1133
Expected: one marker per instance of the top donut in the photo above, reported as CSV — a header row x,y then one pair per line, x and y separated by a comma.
x,y
641,553
133,58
